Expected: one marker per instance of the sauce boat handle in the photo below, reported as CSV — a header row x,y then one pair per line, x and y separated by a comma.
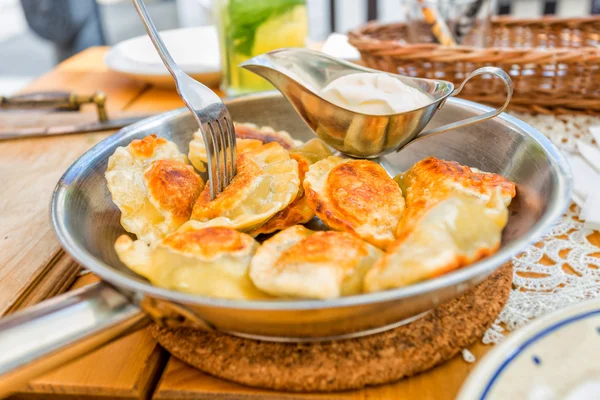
x,y
494,71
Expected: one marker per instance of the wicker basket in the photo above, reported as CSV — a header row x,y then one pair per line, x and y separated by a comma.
x,y
554,62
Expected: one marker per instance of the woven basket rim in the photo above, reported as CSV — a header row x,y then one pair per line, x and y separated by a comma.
x,y
360,36
564,74
545,20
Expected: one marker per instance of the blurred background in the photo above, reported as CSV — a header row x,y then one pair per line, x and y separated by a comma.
x,y
27,53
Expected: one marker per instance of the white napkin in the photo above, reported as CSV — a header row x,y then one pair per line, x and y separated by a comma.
x,y
337,45
586,177
590,212
590,153
595,131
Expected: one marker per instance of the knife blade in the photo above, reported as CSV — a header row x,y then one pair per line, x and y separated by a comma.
x,y
57,130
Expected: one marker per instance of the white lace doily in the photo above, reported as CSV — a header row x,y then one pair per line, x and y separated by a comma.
x,y
564,267
562,130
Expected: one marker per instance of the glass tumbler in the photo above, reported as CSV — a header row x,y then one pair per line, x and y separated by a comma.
x,y
251,27
468,21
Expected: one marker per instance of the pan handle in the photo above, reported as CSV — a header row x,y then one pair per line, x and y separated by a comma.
x,y
62,329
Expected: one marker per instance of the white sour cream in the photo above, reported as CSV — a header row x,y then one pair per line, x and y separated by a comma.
x,y
374,94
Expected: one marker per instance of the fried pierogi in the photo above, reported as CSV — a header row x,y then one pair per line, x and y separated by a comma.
x,y
207,262
440,175
266,182
243,133
431,180
385,233
300,263
298,212
454,216
355,196
153,186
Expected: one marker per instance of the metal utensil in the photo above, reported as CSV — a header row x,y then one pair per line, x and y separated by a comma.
x,y
206,107
21,119
57,100
301,73
87,224
66,128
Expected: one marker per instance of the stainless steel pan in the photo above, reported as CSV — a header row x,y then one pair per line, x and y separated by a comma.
x,y
87,224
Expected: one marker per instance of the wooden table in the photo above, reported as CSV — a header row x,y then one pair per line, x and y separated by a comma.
x,y
31,258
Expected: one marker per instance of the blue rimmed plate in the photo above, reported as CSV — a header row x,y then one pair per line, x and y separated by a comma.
x,y
555,357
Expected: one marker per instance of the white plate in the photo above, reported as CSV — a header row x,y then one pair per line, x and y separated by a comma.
x,y
196,50
555,357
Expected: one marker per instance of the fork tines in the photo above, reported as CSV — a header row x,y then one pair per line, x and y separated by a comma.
x,y
219,137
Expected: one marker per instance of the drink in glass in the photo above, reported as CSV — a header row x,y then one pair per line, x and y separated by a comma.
x,y
251,27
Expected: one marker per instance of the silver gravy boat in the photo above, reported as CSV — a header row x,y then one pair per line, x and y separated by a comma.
x,y
300,74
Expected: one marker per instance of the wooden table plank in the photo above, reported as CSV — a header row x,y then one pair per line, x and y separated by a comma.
x,y
29,170
60,275
156,100
125,369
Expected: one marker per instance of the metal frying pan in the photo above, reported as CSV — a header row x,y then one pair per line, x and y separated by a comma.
x,y
87,224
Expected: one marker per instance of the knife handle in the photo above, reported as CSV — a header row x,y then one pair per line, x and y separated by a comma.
x,y
56,100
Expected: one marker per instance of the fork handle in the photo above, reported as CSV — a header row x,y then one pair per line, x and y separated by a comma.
x,y
156,39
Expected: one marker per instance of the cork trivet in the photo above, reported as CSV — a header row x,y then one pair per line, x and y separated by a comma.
x,y
346,364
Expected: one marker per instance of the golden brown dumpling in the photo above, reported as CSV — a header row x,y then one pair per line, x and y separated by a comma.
x,y
440,175
454,232
298,212
355,196
243,133
153,186
266,182
430,180
208,262
454,216
265,134
297,262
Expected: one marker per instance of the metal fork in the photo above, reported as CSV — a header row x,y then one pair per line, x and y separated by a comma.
x,y
211,114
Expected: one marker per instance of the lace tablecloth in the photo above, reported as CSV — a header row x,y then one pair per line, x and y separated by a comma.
x,y
564,267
